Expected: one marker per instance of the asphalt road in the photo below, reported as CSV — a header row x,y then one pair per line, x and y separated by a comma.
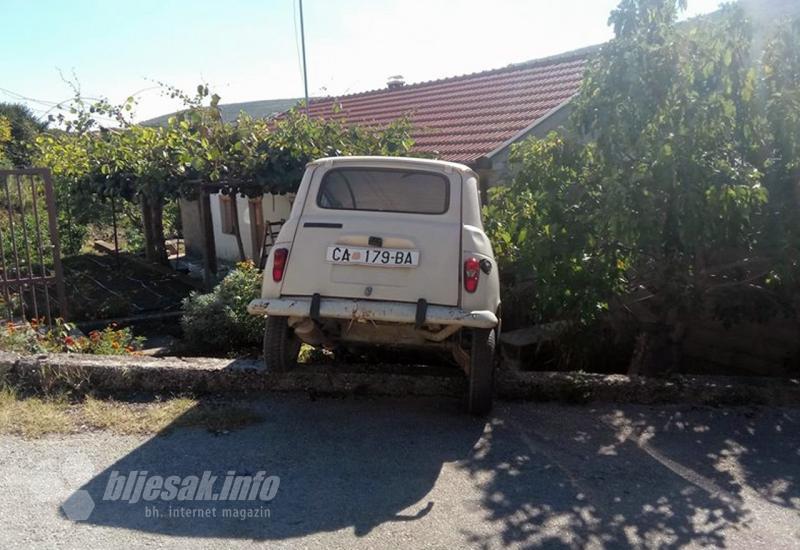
x,y
390,473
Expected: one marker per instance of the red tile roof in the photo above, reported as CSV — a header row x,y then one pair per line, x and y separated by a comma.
x,y
466,117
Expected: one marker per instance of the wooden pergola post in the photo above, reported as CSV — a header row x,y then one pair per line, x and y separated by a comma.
x,y
209,246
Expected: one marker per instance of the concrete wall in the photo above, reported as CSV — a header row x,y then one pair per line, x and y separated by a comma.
x,y
274,208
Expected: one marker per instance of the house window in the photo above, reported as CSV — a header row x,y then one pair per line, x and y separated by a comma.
x,y
227,214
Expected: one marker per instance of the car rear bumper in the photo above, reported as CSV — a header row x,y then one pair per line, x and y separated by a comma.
x,y
391,312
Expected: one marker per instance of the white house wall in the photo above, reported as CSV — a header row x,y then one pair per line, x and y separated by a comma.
x,y
274,208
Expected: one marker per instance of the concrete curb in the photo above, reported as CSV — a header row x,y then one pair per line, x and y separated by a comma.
x,y
617,388
203,375
137,374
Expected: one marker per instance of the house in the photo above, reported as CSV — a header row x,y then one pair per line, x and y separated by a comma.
x,y
472,119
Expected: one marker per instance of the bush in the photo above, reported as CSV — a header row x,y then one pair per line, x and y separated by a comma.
x,y
219,321
549,235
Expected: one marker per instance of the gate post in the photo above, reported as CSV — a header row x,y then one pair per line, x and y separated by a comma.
x,y
53,226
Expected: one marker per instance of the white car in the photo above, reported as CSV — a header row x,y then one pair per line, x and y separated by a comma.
x,y
385,251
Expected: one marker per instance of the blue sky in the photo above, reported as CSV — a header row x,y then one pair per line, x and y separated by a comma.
x,y
248,49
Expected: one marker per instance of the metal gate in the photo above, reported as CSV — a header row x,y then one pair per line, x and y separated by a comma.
x,y
31,276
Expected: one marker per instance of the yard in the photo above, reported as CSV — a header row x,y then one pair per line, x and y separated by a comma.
x,y
103,287
658,238
637,202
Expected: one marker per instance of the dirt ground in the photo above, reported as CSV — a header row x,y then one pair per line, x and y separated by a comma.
x,y
100,287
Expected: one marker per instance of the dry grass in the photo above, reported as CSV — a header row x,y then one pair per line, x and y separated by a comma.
x,y
127,418
32,417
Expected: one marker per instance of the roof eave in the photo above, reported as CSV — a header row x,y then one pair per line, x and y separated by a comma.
x,y
486,160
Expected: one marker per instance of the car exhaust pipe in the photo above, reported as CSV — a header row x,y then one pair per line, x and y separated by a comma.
x,y
441,335
308,331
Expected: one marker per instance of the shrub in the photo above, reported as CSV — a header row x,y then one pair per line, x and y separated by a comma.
x,y
549,235
218,321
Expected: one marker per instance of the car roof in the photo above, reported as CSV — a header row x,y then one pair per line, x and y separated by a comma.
x,y
409,162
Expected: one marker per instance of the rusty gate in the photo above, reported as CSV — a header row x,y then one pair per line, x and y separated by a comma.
x,y
31,276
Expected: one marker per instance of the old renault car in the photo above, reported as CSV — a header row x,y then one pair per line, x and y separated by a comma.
x,y
385,251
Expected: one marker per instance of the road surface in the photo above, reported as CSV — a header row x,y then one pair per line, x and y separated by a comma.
x,y
390,473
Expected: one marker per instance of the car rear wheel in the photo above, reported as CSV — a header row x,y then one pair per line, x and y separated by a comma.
x,y
281,346
481,372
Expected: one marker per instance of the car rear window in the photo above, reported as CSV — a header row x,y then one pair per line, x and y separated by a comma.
x,y
384,190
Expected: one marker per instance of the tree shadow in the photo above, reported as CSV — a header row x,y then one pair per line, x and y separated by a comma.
x,y
645,477
353,463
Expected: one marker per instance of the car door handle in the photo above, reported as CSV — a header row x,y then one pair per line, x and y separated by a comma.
x,y
328,225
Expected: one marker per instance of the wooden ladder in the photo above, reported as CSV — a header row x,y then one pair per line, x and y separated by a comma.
x,y
271,230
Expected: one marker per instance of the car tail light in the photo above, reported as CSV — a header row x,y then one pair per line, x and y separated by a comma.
x,y
279,263
472,273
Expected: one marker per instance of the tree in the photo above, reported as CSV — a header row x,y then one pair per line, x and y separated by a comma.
x,y
153,165
666,201
5,138
24,128
672,111
781,76
547,229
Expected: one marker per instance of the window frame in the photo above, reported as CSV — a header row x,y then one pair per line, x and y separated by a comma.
x,y
445,178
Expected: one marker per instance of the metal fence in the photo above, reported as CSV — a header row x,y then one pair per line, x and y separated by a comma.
x,y
31,276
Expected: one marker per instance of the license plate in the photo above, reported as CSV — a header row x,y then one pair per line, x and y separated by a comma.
x,y
380,257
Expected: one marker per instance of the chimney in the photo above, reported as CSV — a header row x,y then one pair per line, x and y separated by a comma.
x,y
395,82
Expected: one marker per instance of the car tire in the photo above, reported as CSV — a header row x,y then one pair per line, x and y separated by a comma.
x,y
281,346
481,372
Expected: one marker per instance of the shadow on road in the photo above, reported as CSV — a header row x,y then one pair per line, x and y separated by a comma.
x,y
534,475
642,477
342,463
